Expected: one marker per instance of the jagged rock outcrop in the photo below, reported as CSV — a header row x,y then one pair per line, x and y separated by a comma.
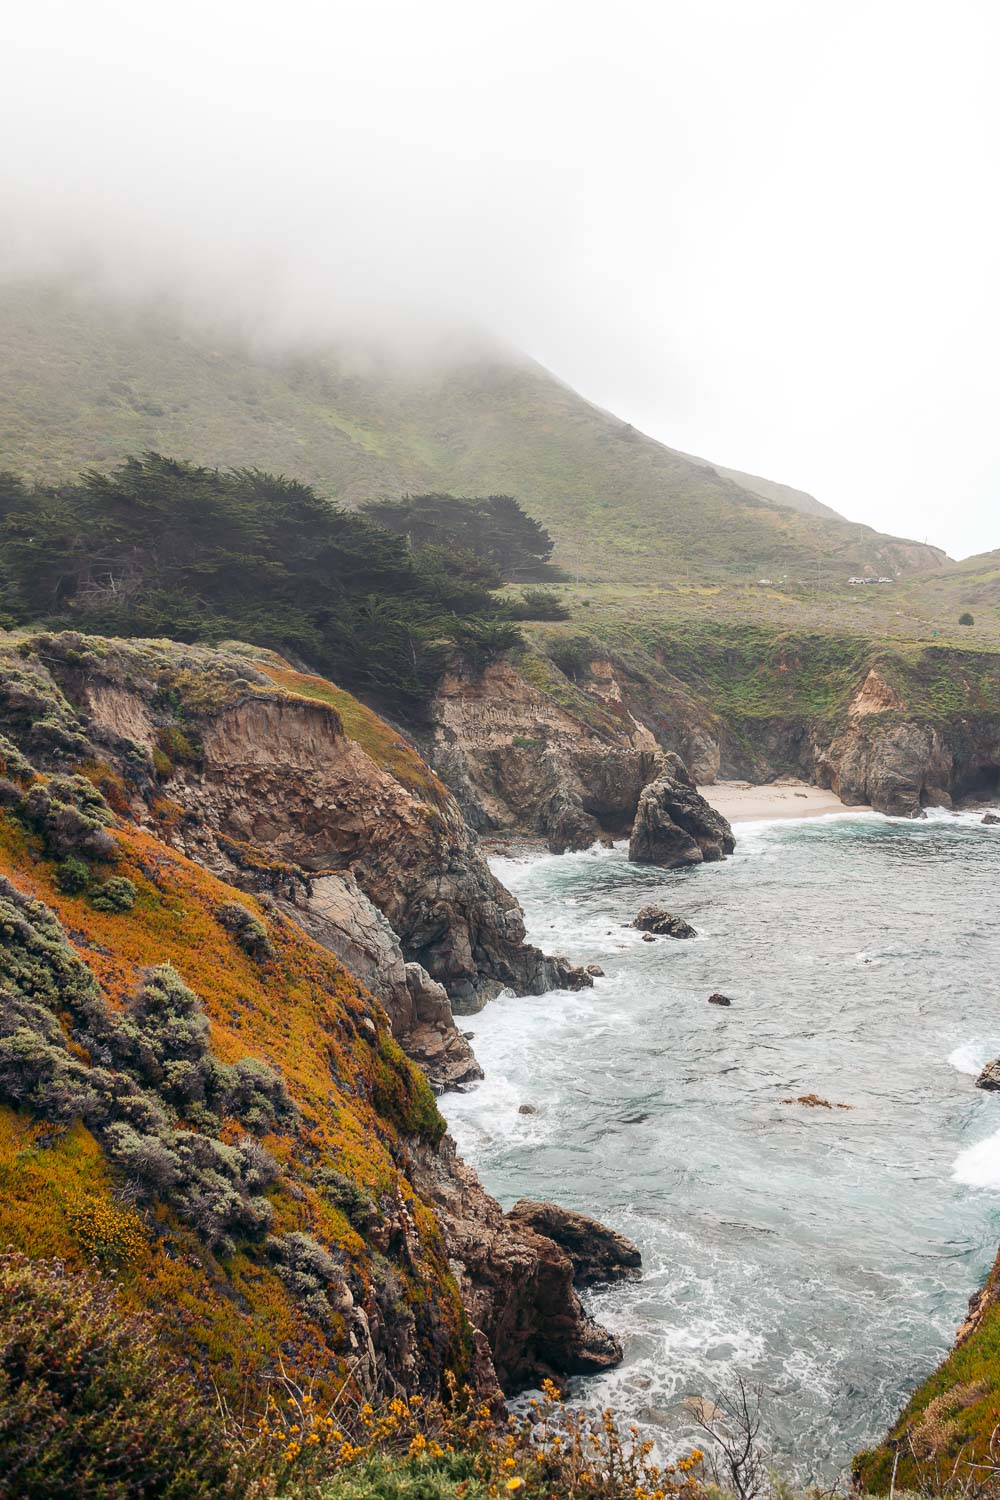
x,y
989,1078
662,923
516,758
598,1254
336,912
674,825
517,1283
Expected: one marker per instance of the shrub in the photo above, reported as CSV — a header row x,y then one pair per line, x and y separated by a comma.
x,y
116,894
538,604
72,818
416,1449
90,1407
106,1232
73,876
154,1065
248,930
966,619
573,657
353,1202
309,1271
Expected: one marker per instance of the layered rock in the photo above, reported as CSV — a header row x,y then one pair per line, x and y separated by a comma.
x,y
335,911
270,777
520,759
258,783
674,825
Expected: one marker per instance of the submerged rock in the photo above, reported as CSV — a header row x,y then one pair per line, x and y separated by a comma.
x,y
813,1101
989,1078
674,825
662,922
598,1254
719,999
571,977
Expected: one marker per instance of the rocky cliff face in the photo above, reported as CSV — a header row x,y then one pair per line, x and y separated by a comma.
x,y
521,760
128,773
265,780
528,748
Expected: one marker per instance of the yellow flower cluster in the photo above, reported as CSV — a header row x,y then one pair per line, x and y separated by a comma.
x,y
105,1232
557,1452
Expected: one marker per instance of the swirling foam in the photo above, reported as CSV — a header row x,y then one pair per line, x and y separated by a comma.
x,y
979,1166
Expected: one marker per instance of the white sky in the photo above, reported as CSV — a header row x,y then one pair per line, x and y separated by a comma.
x,y
764,232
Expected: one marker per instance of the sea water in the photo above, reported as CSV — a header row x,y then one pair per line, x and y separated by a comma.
x,y
824,1254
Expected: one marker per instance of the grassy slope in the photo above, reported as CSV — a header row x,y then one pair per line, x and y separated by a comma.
x,y
952,1415
972,585
81,385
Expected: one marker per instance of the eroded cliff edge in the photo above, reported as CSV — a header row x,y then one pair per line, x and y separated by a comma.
x,y
195,1086
562,740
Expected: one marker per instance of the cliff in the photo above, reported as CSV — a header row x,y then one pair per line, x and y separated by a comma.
x,y
528,751
271,777
196,1095
899,726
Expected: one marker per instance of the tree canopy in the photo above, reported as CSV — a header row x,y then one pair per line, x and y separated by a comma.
x,y
163,547
493,528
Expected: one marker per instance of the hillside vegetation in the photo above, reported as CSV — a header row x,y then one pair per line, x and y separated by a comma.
x,y
84,385
160,547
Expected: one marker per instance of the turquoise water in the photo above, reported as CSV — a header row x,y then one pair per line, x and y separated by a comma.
x,y
827,1254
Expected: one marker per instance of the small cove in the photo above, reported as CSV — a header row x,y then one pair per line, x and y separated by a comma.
x,y
828,1254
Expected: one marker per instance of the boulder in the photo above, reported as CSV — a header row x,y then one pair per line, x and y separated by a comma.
x,y
718,999
663,923
674,825
571,977
990,819
989,1078
598,1254
595,971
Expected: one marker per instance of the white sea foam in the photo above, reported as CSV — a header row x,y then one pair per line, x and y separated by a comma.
x,y
979,1166
972,1057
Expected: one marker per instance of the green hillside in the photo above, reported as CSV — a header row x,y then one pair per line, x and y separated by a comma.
x,y
83,384
962,587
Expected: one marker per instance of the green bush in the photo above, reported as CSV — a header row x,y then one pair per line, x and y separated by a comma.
x,y
116,894
538,604
212,555
154,1067
72,876
90,1407
966,619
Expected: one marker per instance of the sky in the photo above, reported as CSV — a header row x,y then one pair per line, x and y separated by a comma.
x,y
764,231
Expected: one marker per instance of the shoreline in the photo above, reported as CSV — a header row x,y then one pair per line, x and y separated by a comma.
x,y
744,802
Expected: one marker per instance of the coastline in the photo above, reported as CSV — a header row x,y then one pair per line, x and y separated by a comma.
x,y
743,802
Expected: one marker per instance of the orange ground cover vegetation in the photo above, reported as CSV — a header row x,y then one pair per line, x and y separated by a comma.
x,y
359,1096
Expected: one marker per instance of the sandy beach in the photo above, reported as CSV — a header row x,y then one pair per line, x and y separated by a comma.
x,y
742,802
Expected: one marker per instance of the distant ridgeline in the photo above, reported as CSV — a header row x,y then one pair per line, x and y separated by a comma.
x,y
164,548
